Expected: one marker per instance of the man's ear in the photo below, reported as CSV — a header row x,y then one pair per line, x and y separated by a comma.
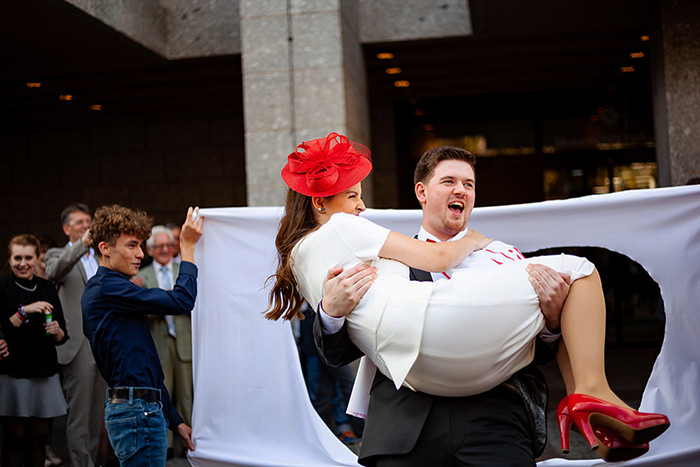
x,y
104,249
65,230
420,193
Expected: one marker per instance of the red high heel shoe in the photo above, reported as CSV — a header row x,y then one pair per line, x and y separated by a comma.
x,y
635,427
609,445
612,448
564,424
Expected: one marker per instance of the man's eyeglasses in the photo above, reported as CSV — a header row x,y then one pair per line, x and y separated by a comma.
x,y
81,222
165,246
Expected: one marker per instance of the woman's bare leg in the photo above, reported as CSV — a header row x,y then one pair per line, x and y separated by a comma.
x,y
581,358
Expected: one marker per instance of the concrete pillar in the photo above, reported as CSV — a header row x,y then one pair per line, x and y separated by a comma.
x,y
676,83
303,77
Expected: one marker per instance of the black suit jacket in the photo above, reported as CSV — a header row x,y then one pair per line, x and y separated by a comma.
x,y
395,418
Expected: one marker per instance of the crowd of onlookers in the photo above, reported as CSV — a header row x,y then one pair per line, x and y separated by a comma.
x,y
47,368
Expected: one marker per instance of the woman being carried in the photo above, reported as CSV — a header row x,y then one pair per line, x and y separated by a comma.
x,y
441,337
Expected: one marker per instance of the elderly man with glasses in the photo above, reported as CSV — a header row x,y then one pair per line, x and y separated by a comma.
x,y
171,334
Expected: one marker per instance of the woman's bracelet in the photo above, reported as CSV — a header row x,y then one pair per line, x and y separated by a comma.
x,y
22,313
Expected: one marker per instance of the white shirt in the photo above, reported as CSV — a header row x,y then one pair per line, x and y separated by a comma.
x,y
159,274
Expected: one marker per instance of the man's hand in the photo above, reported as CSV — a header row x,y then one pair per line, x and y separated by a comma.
x,y
479,240
86,239
137,280
344,289
4,352
191,232
552,288
185,433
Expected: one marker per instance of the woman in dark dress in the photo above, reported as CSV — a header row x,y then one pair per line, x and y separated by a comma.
x,y
31,325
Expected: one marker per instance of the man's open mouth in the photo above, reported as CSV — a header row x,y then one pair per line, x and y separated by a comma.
x,y
456,206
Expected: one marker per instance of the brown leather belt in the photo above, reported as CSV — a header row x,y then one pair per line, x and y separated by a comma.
x,y
120,395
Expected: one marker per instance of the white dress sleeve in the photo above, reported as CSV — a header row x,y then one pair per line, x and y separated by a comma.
x,y
362,237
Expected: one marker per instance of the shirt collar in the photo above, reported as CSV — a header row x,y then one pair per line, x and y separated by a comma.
x,y
424,235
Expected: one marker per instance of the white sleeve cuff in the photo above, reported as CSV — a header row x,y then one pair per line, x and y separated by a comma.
x,y
548,336
329,324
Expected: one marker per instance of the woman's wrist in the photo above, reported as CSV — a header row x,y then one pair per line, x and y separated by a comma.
x,y
17,320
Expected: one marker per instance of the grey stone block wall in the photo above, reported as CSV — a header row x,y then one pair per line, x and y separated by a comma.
x,y
172,28
680,21
303,77
144,21
398,20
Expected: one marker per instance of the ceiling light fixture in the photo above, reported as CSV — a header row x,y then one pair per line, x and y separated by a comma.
x,y
65,97
385,56
402,84
637,55
644,38
96,107
393,71
33,84
627,69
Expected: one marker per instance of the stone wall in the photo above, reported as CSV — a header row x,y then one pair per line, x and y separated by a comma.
x,y
680,21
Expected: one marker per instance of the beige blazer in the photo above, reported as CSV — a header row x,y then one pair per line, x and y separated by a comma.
x,y
66,271
159,328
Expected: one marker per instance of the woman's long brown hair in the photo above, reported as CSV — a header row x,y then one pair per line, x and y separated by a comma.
x,y
298,221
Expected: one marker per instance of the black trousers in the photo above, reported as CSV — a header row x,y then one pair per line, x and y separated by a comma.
x,y
489,429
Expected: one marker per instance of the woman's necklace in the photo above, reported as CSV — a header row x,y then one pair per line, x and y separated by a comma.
x,y
25,288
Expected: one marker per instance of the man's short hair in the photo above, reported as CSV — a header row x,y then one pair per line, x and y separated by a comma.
x,y
432,157
112,221
24,240
65,214
159,229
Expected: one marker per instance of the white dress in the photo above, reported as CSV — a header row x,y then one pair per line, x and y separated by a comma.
x,y
454,337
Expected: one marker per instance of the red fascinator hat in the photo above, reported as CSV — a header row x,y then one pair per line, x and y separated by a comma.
x,y
326,166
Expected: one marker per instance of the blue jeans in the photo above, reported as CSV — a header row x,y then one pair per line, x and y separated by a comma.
x,y
137,431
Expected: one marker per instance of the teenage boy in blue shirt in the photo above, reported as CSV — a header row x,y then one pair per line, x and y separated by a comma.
x,y
139,410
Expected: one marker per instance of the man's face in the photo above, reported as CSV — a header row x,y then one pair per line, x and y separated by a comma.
x,y
162,248
124,256
447,198
175,250
78,223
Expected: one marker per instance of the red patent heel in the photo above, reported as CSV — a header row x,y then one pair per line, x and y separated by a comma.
x,y
564,424
611,447
635,427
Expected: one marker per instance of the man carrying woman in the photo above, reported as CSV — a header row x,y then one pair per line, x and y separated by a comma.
x,y
414,331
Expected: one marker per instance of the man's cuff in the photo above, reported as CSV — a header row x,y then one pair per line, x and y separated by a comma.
x,y
548,336
329,324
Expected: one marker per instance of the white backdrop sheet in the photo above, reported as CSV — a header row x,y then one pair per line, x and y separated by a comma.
x,y
251,406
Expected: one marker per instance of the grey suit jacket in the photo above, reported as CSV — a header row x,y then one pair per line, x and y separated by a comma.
x,y
159,327
66,271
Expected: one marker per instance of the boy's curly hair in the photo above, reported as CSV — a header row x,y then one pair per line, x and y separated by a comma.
x,y
110,222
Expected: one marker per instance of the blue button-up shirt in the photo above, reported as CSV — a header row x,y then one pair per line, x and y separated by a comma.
x,y
114,321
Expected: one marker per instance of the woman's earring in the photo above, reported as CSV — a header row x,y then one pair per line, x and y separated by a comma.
x,y
321,209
